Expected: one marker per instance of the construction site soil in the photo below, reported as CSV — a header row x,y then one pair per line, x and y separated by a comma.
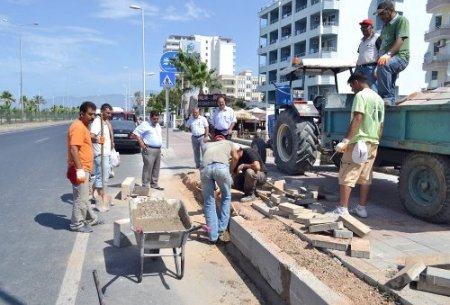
x,y
324,266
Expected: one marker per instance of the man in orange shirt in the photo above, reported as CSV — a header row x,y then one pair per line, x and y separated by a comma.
x,y
80,163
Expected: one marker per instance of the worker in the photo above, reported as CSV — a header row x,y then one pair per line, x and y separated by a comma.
x,y
360,145
249,172
394,50
368,53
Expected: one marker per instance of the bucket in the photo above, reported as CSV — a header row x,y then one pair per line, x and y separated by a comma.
x,y
283,95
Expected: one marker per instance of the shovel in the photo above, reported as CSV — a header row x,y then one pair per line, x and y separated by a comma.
x,y
105,200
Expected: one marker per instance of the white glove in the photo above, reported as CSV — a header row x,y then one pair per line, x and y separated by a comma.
x,y
81,175
342,146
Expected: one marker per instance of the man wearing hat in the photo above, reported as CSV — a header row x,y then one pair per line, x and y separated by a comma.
x,y
368,53
360,145
394,50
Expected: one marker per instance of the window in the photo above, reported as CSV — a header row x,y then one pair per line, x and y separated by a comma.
x,y
434,75
437,22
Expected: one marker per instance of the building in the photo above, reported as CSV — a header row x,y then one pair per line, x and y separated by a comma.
x,y
217,52
437,58
242,86
329,28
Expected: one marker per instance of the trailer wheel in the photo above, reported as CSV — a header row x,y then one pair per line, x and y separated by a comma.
x,y
424,187
260,146
295,143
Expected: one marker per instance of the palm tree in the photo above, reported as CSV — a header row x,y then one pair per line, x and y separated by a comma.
x,y
7,98
37,100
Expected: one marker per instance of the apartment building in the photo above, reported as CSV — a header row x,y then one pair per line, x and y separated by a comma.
x,y
217,52
242,86
437,58
330,29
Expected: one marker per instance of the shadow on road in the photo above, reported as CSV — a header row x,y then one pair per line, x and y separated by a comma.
x,y
54,221
9,299
67,198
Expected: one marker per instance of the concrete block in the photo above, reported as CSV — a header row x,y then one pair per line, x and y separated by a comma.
x,y
360,248
123,235
279,186
423,285
323,219
329,242
276,199
263,209
438,277
277,211
304,217
429,260
354,225
290,208
342,233
326,227
306,201
127,187
292,192
406,275
140,191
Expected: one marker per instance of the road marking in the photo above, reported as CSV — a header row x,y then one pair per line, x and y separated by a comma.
x,y
69,288
41,140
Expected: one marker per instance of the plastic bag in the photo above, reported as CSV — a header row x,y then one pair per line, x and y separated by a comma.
x,y
115,158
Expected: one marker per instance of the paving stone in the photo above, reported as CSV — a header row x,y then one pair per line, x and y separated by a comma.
x,y
354,225
304,217
325,227
423,285
438,277
127,187
323,219
406,275
360,248
429,260
123,235
280,184
263,209
275,198
342,233
290,208
277,211
329,242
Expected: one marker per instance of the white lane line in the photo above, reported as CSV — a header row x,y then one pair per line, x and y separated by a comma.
x,y
41,140
70,285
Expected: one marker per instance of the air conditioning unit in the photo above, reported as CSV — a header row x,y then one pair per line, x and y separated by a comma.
x,y
441,43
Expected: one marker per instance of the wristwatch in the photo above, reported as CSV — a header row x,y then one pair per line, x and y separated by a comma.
x,y
389,53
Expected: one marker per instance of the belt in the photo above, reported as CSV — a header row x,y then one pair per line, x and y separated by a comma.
x,y
369,64
199,136
155,147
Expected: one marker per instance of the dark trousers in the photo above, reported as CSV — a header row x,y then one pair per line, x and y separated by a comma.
x,y
152,163
247,181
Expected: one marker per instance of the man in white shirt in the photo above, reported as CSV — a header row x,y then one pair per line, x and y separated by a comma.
x,y
150,140
368,53
223,119
198,125
101,137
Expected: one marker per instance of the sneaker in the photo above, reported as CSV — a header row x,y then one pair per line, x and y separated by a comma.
x,y
83,229
248,198
360,211
340,211
224,236
158,188
96,222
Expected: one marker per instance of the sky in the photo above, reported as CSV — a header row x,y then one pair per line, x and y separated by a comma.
x,y
94,47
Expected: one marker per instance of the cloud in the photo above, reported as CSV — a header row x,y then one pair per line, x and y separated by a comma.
x,y
190,12
120,9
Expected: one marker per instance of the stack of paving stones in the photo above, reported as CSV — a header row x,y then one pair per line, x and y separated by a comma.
x,y
426,273
300,203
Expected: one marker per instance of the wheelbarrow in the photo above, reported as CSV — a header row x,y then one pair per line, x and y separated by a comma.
x,y
160,224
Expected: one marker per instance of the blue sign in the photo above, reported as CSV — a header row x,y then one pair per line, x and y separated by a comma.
x,y
165,63
167,79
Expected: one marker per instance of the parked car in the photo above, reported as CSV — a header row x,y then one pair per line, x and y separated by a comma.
x,y
124,116
124,138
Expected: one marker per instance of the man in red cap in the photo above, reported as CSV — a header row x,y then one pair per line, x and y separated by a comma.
x,y
394,50
368,53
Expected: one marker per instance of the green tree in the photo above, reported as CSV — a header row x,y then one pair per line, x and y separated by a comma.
x,y
37,101
7,98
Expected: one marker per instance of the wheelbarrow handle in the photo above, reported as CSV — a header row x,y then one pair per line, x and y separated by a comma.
x,y
196,228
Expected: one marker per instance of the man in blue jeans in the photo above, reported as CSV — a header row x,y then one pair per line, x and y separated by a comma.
x,y
394,50
215,168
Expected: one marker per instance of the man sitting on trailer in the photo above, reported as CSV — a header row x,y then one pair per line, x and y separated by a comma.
x,y
360,145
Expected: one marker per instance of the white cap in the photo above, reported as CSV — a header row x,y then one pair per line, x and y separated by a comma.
x,y
359,153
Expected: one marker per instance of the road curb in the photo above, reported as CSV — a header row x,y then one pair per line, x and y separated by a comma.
x,y
294,284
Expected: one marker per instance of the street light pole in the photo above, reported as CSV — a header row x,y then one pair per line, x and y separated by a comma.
x,y
137,7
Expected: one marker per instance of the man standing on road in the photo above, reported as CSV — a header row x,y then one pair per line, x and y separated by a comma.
x,y
216,168
150,140
394,50
360,145
198,125
249,172
80,161
368,53
100,138
223,119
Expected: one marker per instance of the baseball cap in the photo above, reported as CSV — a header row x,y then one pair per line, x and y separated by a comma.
x,y
384,5
219,137
359,153
366,22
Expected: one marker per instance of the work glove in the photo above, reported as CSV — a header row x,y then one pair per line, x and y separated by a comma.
x,y
101,140
384,60
81,175
342,146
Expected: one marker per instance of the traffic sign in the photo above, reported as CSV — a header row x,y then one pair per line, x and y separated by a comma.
x,y
167,79
165,62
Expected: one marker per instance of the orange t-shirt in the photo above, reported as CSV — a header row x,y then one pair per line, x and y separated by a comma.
x,y
80,136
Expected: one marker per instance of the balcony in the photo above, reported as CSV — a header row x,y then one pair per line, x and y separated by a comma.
x,y
437,62
434,6
443,32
